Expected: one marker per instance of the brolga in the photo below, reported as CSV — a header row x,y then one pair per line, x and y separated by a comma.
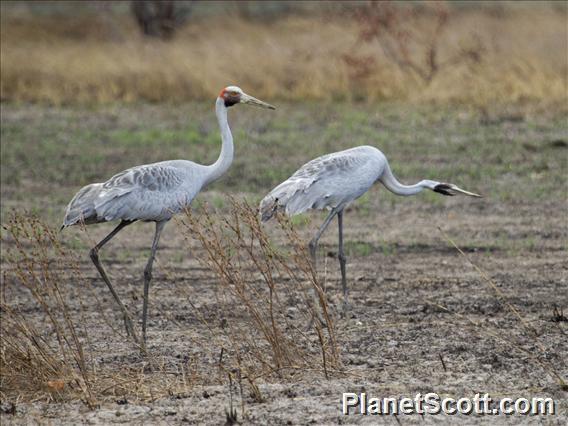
x,y
333,182
152,193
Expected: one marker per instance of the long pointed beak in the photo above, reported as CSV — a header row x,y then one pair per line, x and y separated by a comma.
x,y
464,192
247,99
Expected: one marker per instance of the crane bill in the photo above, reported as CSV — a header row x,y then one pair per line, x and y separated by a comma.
x,y
250,100
451,190
464,192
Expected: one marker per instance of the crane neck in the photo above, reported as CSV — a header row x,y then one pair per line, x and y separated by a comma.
x,y
394,186
220,167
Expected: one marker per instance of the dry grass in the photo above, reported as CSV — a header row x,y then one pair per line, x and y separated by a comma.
x,y
100,60
261,282
56,359
48,359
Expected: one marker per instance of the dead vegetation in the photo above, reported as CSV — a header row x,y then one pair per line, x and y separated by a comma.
x,y
254,336
46,359
276,290
386,51
411,41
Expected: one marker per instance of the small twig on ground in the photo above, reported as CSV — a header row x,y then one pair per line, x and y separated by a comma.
x,y
443,363
231,413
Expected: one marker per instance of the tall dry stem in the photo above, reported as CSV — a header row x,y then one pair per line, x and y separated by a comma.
x,y
45,358
265,296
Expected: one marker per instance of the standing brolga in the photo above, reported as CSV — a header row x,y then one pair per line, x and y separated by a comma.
x,y
152,193
335,180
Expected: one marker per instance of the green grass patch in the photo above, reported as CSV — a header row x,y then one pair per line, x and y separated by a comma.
x,y
48,154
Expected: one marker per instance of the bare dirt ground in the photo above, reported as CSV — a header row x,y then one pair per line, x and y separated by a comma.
x,y
422,318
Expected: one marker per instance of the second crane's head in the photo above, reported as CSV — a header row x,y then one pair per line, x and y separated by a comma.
x,y
233,95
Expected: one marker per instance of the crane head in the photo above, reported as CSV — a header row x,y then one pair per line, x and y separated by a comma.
x,y
233,95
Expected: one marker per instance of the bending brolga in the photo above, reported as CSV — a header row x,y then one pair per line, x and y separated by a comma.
x,y
335,180
152,193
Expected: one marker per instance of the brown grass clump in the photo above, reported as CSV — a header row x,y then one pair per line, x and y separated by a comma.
x,y
267,297
46,350
519,57
47,359
49,352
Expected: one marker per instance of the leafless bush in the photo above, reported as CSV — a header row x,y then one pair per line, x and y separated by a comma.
x,y
43,359
406,41
46,350
160,18
266,298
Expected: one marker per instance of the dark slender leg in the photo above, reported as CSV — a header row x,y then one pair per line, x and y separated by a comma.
x,y
342,261
314,242
313,245
148,274
94,253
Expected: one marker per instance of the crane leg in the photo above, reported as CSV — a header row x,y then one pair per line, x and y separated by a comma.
x,y
94,254
148,274
342,262
314,241
313,246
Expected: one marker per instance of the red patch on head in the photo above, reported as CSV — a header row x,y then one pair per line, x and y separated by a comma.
x,y
222,94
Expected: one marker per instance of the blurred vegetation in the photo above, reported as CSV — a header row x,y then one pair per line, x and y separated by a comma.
x,y
469,52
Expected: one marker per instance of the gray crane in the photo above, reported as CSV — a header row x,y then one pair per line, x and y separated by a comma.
x,y
334,181
152,193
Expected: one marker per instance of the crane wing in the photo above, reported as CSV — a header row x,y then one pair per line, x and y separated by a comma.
x,y
151,177
128,195
315,184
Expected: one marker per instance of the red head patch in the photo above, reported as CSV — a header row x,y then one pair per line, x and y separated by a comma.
x,y
230,96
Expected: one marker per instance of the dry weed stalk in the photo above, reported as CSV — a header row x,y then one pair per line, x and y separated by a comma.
x,y
34,358
46,351
266,297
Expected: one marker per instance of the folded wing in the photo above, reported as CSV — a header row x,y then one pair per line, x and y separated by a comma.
x,y
138,193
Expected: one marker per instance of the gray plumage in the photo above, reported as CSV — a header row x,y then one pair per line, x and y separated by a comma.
x,y
335,180
152,192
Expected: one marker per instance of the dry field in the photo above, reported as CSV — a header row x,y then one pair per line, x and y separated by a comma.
x,y
476,97
423,318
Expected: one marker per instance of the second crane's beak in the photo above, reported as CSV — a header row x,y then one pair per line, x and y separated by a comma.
x,y
451,189
247,99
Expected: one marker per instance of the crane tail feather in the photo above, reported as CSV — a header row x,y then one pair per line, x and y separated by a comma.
x,y
82,209
292,197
